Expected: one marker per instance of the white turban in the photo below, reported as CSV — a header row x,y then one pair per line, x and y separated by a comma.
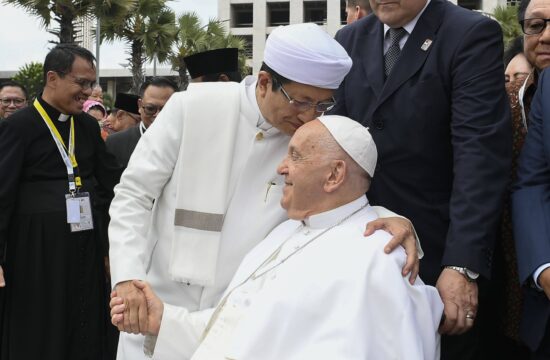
x,y
306,54
354,138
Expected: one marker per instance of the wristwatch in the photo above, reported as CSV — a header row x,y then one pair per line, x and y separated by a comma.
x,y
470,275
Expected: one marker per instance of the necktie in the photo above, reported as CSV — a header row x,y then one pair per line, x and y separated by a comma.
x,y
393,51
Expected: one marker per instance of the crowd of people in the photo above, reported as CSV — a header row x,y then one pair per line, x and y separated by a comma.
x,y
381,194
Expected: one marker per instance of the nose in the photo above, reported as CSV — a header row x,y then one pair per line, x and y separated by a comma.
x,y
545,35
308,115
282,169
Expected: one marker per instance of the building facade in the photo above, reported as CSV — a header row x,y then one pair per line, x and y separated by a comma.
x,y
253,20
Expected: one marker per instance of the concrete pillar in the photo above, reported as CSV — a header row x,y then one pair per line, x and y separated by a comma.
x,y
224,12
296,11
258,34
333,16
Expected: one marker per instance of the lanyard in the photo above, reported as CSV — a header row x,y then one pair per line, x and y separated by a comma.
x,y
67,155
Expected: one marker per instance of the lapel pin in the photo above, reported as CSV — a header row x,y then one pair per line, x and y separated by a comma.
x,y
426,45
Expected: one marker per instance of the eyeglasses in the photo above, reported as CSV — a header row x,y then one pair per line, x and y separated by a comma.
x,y
533,26
151,110
302,106
15,101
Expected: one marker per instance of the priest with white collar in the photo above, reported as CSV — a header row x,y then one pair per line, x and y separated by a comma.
x,y
314,288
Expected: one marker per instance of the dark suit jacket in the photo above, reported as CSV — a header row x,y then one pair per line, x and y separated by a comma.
x,y
122,144
441,123
531,212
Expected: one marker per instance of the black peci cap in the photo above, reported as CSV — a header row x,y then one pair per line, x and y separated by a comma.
x,y
212,62
127,102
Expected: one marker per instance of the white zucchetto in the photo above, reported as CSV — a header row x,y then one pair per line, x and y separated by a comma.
x,y
307,54
354,138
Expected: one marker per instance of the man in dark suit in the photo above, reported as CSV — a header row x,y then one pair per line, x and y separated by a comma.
x,y
427,78
531,215
153,95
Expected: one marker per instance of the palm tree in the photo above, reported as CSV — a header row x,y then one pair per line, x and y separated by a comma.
x,y
508,20
149,30
194,38
66,13
191,39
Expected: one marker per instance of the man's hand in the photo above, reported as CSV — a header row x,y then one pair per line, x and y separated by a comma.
x,y
544,281
460,301
403,234
155,309
135,313
2,281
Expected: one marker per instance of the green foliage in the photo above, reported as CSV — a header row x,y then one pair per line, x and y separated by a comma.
x,y
507,18
30,75
194,38
149,31
108,100
67,12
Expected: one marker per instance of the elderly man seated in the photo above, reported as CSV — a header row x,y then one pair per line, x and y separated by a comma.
x,y
314,288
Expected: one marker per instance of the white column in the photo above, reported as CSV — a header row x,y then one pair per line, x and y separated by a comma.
x,y
258,34
333,16
224,12
296,11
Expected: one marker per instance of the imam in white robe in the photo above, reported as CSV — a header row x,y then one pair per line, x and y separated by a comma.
x,y
337,297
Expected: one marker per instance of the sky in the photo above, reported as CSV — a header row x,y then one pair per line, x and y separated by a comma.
x,y
23,40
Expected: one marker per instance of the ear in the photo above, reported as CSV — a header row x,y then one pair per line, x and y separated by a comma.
x,y
223,78
357,12
51,78
140,110
336,177
264,82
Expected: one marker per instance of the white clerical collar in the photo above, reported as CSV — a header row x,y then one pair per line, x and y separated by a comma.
x,y
63,117
332,217
262,124
409,27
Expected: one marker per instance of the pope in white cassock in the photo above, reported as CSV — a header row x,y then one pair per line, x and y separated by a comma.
x,y
201,189
314,288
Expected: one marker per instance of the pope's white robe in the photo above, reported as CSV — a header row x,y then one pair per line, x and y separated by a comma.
x,y
339,297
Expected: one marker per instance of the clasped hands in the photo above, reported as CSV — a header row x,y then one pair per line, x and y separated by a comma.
x,y
135,308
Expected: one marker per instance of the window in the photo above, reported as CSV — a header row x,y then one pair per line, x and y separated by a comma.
x,y
248,45
470,4
278,13
316,12
343,16
241,15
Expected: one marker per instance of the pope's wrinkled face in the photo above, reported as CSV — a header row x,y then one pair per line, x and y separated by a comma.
x,y
279,109
305,171
537,46
396,13
72,89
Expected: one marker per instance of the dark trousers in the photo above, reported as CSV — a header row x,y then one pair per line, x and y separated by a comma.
x,y
543,352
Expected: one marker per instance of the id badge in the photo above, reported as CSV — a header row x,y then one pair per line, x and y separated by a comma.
x,y
79,212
